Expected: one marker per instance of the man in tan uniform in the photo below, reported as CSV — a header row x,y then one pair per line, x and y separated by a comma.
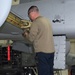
x,y
42,38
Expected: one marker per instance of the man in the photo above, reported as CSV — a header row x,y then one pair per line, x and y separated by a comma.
x,y
42,38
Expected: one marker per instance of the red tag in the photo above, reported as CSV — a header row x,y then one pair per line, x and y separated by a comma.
x,y
8,53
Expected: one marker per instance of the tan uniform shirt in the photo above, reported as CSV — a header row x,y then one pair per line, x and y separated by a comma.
x,y
41,35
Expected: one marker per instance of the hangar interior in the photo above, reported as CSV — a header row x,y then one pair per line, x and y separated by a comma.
x,y
17,55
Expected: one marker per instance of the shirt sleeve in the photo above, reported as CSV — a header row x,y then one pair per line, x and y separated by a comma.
x,y
33,31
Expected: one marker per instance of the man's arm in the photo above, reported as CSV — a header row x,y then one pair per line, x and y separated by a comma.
x,y
32,33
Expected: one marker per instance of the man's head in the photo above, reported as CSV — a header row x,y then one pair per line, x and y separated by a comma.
x,y
33,12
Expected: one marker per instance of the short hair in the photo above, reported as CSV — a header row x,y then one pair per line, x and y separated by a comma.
x,y
33,8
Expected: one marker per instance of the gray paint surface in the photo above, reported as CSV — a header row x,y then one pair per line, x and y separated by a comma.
x,y
49,9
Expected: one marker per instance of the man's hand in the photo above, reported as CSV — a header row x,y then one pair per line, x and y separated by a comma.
x,y
25,33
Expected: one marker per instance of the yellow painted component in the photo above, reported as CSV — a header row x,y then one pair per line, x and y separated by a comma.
x,y
15,2
72,40
26,24
18,22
